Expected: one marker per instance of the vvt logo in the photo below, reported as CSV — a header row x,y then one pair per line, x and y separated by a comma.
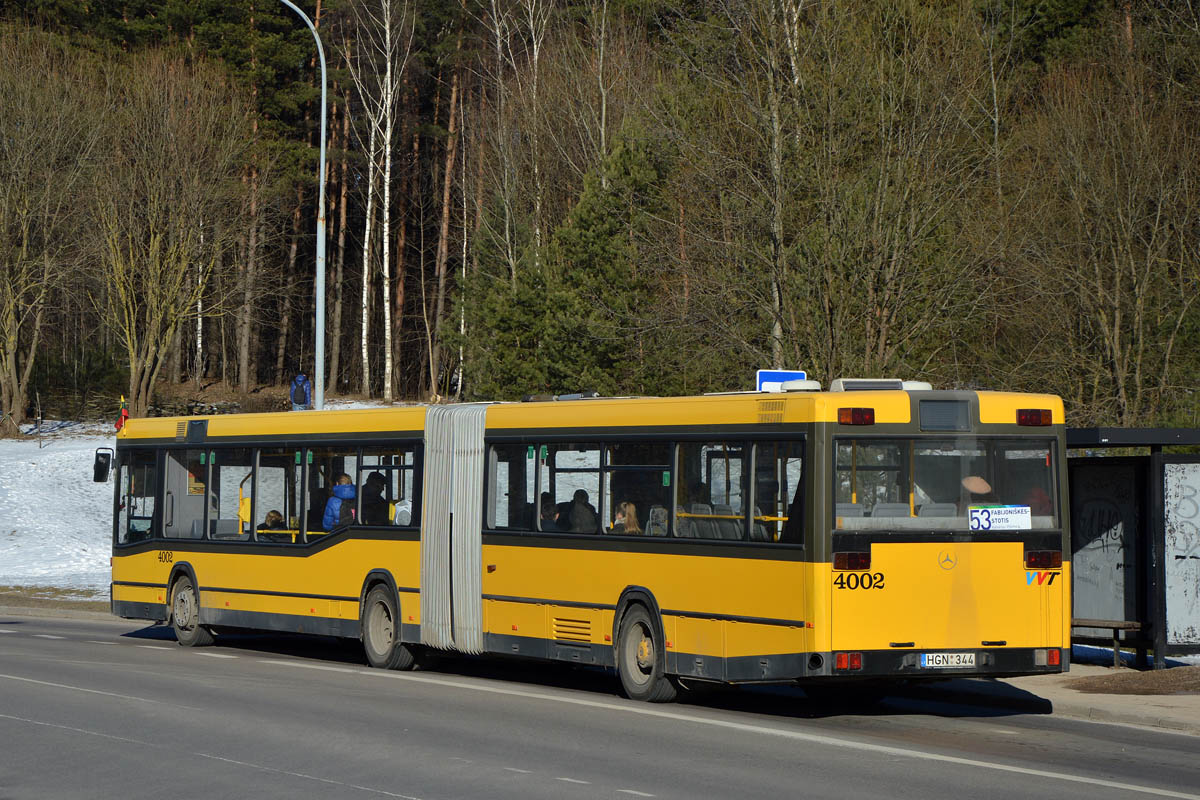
x,y
1041,576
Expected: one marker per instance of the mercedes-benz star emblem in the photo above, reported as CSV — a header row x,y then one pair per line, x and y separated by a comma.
x,y
946,560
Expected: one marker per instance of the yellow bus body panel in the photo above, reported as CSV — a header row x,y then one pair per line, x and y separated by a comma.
x,y
694,585
951,595
336,572
1000,408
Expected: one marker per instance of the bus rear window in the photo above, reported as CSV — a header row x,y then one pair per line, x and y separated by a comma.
x,y
961,483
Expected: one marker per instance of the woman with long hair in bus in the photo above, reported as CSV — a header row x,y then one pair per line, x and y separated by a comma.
x,y
627,520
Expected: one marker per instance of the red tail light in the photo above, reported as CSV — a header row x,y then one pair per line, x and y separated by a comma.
x,y
856,416
1034,416
851,560
1054,657
847,660
1043,559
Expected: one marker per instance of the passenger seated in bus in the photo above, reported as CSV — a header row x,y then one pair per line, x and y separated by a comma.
x,y
626,520
374,506
549,513
583,514
337,511
273,522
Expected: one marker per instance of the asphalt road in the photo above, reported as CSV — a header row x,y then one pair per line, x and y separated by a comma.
x,y
100,709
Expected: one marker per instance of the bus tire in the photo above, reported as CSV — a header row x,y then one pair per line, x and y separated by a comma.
x,y
185,615
381,631
641,660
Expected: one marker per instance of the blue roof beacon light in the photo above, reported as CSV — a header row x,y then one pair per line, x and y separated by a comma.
x,y
773,380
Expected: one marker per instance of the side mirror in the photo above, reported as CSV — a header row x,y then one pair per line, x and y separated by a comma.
x,y
102,465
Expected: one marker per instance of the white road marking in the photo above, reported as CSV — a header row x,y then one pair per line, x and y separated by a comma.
x,y
261,767
96,691
217,655
571,780
308,777
92,641
522,771
154,647
278,661
634,792
6,630
46,636
766,730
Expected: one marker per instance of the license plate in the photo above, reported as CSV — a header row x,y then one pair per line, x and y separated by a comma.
x,y
947,660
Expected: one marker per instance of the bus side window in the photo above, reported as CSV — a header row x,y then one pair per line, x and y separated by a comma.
x,y
121,532
778,492
510,485
637,488
184,493
386,485
277,497
230,491
710,491
325,468
570,482
140,495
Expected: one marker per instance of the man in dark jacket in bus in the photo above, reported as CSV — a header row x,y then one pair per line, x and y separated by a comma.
x,y
374,505
583,513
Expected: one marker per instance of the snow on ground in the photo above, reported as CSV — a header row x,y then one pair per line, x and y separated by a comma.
x,y
55,523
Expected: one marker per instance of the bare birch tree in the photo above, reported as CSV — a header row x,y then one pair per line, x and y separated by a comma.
x,y
1115,244
181,138
49,132
377,68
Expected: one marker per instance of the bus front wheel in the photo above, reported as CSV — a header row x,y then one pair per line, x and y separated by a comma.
x,y
640,661
381,632
185,615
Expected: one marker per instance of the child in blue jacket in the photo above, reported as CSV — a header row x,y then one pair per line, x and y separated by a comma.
x,y
337,510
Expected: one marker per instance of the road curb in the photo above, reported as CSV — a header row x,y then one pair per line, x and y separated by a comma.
x,y
1000,694
1096,714
55,611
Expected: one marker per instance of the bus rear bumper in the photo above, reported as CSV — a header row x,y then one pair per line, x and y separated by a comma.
x,y
912,664
876,665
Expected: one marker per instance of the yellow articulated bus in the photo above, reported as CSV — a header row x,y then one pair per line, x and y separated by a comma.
x,y
875,532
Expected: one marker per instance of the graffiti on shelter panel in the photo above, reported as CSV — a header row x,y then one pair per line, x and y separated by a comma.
x,y
1181,507
1105,520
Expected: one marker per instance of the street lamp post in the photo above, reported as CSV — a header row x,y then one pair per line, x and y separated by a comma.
x,y
319,291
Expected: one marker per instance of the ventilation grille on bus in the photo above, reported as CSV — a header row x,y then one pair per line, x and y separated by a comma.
x,y
181,431
877,385
865,384
572,630
770,411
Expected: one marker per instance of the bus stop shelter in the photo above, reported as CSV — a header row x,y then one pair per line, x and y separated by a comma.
x,y
1135,539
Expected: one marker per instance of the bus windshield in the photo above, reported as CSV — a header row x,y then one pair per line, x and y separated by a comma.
x,y
960,483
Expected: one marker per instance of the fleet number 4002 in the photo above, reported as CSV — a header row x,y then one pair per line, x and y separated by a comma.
x,y
858,580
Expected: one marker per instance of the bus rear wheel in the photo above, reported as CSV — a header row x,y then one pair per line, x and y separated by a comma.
x,y
381,631
640,661
185,615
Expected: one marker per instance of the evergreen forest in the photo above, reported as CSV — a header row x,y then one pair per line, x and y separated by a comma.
x,y
627,196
